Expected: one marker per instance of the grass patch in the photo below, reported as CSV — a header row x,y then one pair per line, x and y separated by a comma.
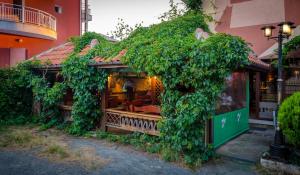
x,y
50,144
57,151
16,138
147,143
89,159
140,141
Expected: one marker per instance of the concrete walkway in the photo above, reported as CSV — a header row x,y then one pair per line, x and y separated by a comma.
x,y
249,146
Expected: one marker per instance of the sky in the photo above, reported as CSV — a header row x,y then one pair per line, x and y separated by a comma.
x,y
106,13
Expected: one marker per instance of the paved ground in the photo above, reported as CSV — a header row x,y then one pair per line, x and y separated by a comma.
x,y
125,160
249,146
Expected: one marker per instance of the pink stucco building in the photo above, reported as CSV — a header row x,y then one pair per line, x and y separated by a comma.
x,y
245,18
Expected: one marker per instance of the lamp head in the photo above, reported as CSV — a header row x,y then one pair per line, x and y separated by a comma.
x,y
268,30
286,28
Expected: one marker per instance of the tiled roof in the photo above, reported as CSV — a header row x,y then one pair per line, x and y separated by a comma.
x,y
57,55
257,62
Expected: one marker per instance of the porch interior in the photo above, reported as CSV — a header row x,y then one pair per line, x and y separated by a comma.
x,y
132,102
137,93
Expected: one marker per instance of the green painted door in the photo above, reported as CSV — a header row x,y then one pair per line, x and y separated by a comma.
x,y
228,125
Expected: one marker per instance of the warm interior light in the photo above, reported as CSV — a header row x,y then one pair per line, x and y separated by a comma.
x,y
296,72
19,40
286,29
109,79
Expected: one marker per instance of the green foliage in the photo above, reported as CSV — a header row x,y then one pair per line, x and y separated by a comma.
x,y
86,82
193,4
192,71
289,118
293,44
82,41
123,30
173,13
140,141
49,98
15,94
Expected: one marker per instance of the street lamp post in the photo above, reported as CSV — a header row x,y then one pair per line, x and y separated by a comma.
x,y
277,148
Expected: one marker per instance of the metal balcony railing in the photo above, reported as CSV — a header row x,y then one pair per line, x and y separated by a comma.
x,y
22,14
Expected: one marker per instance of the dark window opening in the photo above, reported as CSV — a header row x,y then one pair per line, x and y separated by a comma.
x,y
58,9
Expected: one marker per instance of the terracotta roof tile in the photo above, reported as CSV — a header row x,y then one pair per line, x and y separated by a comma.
x,y
85,50
257,62
58,54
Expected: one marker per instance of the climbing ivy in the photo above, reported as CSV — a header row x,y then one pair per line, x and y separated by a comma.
x,y
122,30
193,4
192,71
86,83
81,41
49,98
293,44
173,12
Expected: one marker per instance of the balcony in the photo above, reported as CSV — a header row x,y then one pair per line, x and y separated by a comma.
x,y
26,21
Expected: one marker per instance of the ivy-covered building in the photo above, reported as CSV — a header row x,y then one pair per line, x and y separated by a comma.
x,y
179,80
131,101
175,79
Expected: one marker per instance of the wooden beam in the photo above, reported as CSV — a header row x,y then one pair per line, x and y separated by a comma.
x,y
104,103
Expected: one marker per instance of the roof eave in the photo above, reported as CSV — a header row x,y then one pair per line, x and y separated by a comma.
x,y
102,65
258,68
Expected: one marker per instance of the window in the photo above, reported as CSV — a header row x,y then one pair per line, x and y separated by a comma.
x,y
58,9
234,95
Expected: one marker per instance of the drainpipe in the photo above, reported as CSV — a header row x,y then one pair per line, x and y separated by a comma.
x,y
86,8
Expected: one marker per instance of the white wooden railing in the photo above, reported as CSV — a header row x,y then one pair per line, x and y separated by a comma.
x,y
131,121
22,14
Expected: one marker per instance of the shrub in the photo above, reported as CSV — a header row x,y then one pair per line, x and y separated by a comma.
x,y
16,94
289,119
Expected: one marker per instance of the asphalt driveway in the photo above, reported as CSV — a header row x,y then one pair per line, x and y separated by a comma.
x,y
123,160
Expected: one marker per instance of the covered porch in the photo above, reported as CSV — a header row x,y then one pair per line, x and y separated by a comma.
x,y
131,102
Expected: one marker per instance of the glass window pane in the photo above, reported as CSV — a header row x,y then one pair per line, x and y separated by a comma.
x,y
234,95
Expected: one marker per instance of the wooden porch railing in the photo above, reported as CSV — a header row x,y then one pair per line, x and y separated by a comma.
x,y
130,121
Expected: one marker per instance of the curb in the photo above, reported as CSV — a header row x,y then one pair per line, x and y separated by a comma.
x,y
280,166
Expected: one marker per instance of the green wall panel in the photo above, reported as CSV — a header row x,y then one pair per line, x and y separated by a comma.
x,y
227,126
